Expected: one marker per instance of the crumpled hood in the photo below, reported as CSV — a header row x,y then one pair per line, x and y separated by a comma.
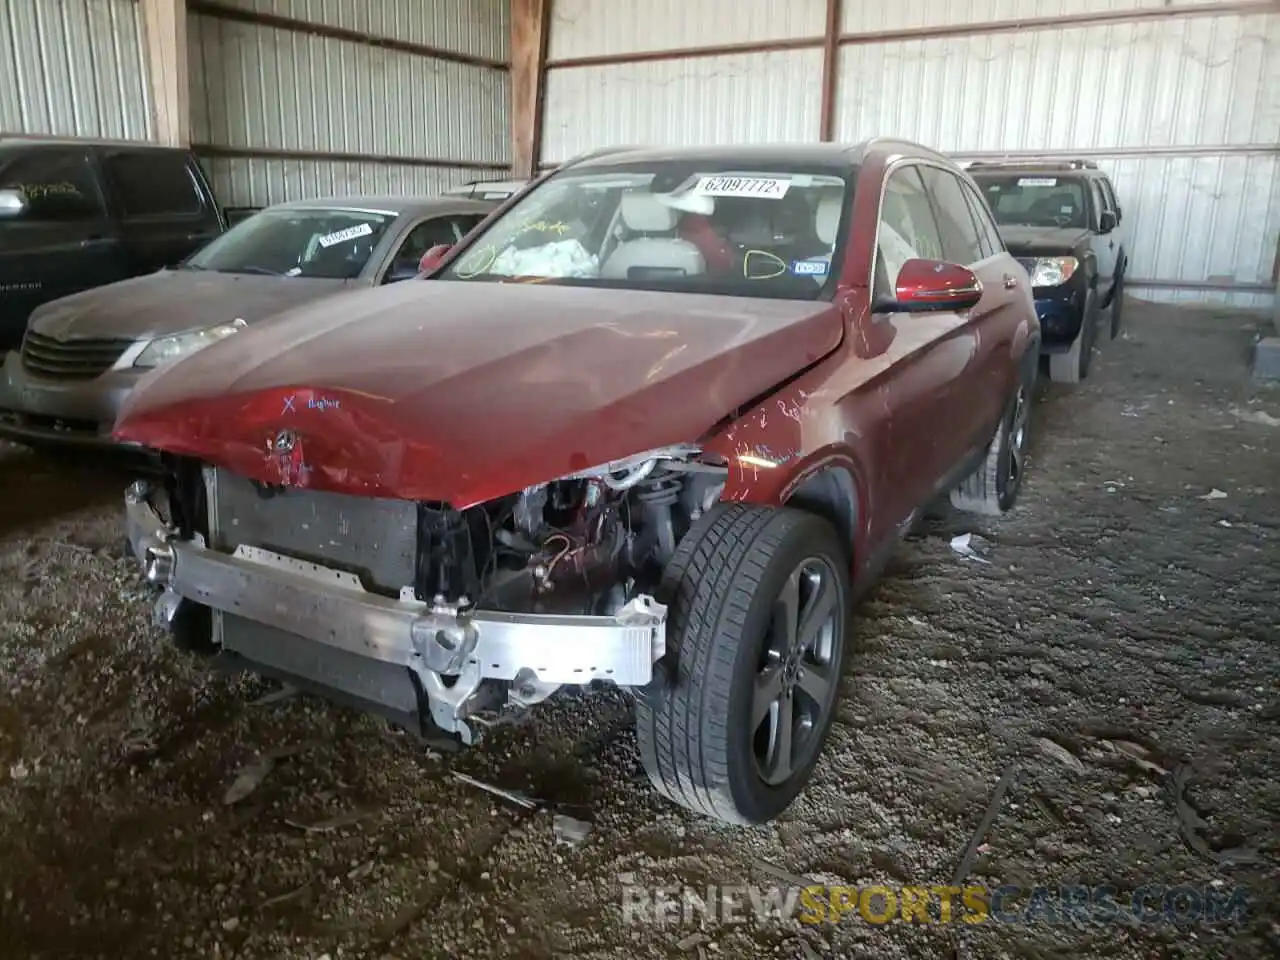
x,y
172,301
463,391
1041,241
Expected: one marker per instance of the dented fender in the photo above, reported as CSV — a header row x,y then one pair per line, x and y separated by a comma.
x,y
795,434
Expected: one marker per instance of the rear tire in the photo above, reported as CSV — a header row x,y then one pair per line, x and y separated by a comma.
x,y
757,616
993,488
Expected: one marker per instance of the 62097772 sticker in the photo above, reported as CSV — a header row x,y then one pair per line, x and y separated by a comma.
x,y
769,188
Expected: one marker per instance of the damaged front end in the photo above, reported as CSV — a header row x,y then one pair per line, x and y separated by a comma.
x,y
441,620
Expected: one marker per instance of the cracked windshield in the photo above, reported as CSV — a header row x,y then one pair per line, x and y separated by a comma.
x,y
329,244
765,233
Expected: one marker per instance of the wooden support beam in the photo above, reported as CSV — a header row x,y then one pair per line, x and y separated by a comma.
x,y
530,20
164,24
830,70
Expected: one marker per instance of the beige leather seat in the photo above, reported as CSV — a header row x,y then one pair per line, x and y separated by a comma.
x,y
652,245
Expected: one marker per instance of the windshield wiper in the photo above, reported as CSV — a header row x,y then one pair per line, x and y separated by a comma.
x,y
250,268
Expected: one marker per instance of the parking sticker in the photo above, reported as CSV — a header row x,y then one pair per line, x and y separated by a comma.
x,y
360,230
810,268
771,188
1038,181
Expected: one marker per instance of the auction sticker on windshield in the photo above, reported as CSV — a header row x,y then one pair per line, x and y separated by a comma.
x,y
771,188
1038,182
360,230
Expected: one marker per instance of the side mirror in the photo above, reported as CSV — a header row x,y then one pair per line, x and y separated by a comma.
x,y
12,203
431,259
1107,222
925,286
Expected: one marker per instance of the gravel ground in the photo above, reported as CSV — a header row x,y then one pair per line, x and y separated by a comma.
x,y
1114,659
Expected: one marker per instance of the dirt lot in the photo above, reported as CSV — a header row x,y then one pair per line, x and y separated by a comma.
x,y
1117,651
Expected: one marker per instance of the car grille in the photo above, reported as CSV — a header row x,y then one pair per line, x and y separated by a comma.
x,y
70,359
1028,264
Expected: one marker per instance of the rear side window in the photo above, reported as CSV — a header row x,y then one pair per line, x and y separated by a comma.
x,y
448,230
153,184
987,232
59,187
960,243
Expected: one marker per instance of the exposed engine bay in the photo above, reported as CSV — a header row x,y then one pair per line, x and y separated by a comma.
x,y
586,544
506,602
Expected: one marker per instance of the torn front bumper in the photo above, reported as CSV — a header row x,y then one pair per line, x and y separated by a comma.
x,y
327,613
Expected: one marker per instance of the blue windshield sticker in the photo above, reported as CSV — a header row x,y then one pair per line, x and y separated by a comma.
x,y
810,268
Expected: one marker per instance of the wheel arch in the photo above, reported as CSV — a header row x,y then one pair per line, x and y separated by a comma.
x,y
830,490
1089,260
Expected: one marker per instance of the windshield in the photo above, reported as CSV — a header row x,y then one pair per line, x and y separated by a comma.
x,y
312,242
1035,200
675,226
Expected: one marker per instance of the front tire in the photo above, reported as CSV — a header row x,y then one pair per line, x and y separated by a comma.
x,y
993,488
758,603
1073,366
1117,305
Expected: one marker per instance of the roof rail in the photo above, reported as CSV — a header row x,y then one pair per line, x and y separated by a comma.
x,y
488,189
1043,163
600,152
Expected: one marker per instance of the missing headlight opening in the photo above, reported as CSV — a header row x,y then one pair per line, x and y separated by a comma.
x,y
495,607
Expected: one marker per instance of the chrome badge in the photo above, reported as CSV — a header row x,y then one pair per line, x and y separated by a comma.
x,y
284,452
284,442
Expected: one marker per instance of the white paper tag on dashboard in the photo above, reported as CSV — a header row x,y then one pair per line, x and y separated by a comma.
x,y
1038,182
770,188
361,230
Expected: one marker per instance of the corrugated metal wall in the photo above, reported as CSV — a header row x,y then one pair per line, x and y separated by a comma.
x,y
1184,112
725,99
73,68
867,16
290,112
730,99
593,28
480,28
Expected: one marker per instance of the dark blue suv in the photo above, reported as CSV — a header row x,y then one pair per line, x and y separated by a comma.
x,y
1062,221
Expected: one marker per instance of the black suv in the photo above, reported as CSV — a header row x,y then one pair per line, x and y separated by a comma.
x,y
1062,221
75,215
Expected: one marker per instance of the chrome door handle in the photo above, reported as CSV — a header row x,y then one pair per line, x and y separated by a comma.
x,y
1010,281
